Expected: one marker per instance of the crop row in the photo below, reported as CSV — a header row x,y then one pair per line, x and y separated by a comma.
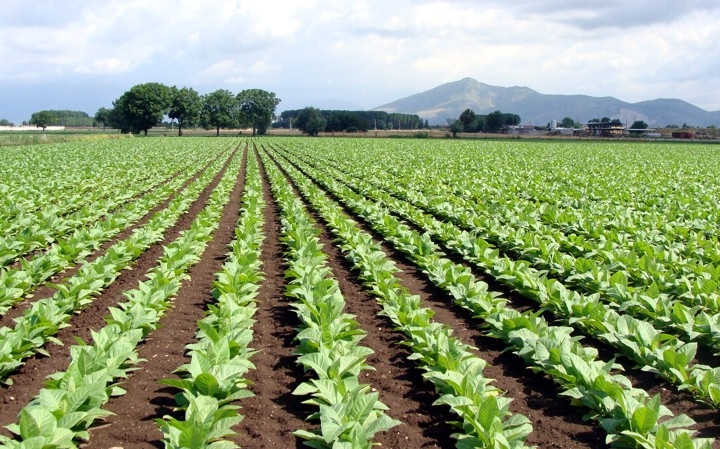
x,y
43,319
620,420
72,400
214,379
640,340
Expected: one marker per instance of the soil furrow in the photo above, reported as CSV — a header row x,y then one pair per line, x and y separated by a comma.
x,y
274,413
133,425
40,251
47,290
30,377
555,422
397,379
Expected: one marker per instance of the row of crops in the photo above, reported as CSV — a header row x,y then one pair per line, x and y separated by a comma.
x,y
616,245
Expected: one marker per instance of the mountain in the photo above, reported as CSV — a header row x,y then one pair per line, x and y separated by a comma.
x,y
448,100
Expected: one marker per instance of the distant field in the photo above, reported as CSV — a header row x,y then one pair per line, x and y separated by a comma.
x,y
14,138
9,138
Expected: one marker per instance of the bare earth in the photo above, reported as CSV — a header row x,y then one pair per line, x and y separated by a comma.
x,y
274,413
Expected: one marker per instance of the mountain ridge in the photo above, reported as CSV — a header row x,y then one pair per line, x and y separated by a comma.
x,y
448,100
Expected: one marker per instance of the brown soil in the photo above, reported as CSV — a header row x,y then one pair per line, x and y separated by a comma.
x,y
29,378
132,422
274,413
555,422
46,290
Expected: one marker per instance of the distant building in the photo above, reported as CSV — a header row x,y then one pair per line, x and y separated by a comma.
x,y
521,130
605,129
683,135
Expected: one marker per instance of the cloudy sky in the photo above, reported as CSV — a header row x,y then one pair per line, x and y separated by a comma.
x,y
83,54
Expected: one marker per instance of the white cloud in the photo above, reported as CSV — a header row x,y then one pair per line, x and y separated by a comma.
x,y
367,52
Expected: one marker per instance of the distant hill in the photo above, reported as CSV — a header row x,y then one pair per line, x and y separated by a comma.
x,y
448,100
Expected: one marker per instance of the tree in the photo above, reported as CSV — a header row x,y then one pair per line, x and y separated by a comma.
x,y
311,121
42,119
511,119
638,125
257,109
185,107
467,118
6,122
219,110
103,117
567,122
456,127
142,107
70,118
494,121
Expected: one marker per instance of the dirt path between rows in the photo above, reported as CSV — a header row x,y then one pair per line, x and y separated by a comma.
x,y
46,290
397,379
132,425
29,379
274,413
555,423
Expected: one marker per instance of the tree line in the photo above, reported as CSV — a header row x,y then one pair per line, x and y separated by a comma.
x,y
312,121
470,122
53,117
145,105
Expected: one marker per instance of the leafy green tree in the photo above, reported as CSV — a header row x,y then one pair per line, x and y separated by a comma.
x,y
42,119
5,122
479,124
219,110
142,107
637,127
103,117
257,109
185,107
468,118
494,121
511,119
311,121
362,120
567,122
345,121
456,127
639,124
70,118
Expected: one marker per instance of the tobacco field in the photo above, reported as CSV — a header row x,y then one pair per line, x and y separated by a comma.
x,y
355,292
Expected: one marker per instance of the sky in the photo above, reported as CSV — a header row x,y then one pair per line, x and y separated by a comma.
x,y
360,54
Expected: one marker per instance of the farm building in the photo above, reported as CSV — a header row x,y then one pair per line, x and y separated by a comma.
x,y
683,135
525,130
605,129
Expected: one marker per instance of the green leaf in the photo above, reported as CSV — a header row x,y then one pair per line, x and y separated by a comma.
x,y
489,410
645,418
207,384
192,438
36,421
